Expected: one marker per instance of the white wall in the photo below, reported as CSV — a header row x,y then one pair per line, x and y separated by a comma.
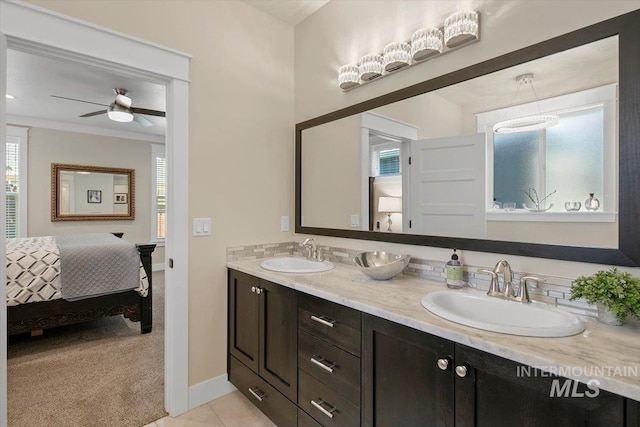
x,y
342,31
241,137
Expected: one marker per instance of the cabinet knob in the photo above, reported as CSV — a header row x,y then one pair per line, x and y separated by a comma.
x,y
461,371
253,289
443,363
258,291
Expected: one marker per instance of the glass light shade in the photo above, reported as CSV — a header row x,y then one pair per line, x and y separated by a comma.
x,y
390,204
348,76
396,55
526,124
118,113
460,28
370,67
426,42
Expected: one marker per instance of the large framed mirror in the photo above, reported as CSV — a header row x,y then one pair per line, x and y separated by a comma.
x,y
91,193
424,165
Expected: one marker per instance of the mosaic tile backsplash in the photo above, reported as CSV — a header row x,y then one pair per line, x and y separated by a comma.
x,y
555,290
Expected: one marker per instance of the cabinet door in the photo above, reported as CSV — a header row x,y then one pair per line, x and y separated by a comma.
x,y
401,382
498,392
279,338
243,312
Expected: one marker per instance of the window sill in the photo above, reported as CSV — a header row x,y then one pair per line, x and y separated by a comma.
x,y
523,215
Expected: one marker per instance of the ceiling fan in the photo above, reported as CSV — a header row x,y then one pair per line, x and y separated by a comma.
x,y
120,110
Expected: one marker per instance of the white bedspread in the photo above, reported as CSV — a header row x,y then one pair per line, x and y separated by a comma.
x,y
33,271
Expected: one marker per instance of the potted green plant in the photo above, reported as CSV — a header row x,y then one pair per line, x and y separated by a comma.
x,y
616,295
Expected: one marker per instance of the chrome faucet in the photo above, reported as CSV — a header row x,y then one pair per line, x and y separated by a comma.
x,y
508,291
313,253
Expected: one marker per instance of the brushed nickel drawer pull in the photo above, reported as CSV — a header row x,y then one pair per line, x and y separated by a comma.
x,y
328,413
323,363
323,320
258,394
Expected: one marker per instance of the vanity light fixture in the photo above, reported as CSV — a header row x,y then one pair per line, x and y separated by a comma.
x,y
426,42
348,76
529,123
396,56
9,96
370,67
390,205
461,27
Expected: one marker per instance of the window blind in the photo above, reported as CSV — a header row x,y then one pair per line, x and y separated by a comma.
x,y
161,196
12,174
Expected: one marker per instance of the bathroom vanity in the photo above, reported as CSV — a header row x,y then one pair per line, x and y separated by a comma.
x,y
339,349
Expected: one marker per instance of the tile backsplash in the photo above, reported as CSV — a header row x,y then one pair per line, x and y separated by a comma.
x,y
555,290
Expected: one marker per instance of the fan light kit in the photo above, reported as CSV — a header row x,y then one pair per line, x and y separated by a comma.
x,y
460,29
120,110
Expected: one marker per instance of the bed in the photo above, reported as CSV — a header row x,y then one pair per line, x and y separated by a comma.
x,y
57,281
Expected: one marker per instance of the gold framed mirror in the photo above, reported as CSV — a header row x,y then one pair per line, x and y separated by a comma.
x,y
92,193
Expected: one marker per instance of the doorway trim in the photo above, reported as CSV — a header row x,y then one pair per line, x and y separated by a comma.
x,y
36,30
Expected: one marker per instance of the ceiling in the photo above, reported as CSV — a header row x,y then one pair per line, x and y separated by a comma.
x,y
290,11
32,79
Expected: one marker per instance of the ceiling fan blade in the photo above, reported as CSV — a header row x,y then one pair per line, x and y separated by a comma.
x,y
79,100
144,122
148,112
95,113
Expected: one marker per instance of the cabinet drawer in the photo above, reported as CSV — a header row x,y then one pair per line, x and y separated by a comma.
x,y
330,365
332,322
305,420
273,404
324,404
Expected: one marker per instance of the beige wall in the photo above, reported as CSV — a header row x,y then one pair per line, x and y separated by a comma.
x,y
342,31
48,146
241,137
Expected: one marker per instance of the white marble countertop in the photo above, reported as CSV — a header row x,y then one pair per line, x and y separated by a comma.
x,y
609,354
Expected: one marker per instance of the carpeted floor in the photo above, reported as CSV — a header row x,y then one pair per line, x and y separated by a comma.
x,y
100,373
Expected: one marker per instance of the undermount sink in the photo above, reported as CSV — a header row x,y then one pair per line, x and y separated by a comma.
x,y
478,310
296,265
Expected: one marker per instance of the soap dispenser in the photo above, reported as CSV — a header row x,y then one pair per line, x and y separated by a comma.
x,y
454,272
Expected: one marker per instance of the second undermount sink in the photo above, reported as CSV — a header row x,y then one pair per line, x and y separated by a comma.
x,y
477,309
296,265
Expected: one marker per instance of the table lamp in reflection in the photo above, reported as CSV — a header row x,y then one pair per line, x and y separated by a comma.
x,y
390,205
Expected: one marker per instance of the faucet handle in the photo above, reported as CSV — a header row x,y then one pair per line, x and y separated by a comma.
x,y
320,254
494,287
523,296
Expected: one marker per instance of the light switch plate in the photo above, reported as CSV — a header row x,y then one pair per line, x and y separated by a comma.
x,y
284,223
202,227
355,220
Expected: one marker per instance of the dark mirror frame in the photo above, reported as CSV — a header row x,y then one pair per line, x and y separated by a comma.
x,y
57,168
627,28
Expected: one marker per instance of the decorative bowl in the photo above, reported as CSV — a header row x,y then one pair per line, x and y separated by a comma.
x,y
381,265
572,206
535,209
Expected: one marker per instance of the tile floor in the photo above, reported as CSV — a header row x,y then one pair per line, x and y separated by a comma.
x,y
231,410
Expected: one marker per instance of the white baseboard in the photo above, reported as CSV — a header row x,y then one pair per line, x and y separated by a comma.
x,y
209,390
158,267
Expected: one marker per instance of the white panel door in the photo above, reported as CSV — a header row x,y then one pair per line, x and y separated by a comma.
x,y
448,186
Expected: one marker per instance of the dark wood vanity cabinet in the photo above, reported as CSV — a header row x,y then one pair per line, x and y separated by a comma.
x,y
263,344
289,349
401,382
411,378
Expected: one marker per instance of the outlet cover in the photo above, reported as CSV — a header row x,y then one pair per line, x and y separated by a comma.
x,y
355,220
284,223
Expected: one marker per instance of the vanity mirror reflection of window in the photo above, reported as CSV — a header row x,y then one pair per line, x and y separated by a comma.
x,y
572,158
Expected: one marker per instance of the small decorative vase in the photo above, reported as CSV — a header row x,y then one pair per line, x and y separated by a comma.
x,y
606,316
592,204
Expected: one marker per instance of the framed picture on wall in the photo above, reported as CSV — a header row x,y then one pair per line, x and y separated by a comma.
x,y
94,196
120,198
